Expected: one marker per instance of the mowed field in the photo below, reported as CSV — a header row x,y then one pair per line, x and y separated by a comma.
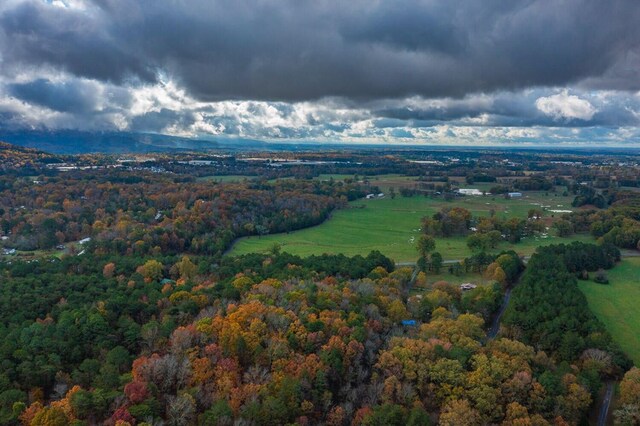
x,y
393,225
616,304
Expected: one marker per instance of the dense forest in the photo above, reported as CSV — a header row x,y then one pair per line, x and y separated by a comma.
x,y
276,339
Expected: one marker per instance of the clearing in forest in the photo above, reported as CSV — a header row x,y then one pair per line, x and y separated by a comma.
x,y
393,225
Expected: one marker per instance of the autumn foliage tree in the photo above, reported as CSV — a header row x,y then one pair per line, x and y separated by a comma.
x,y
152,270
108,270
629,411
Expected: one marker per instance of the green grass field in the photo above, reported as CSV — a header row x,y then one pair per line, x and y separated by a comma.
x,y
393,225
616,304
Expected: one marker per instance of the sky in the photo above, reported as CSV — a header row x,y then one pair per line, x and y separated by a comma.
x,y
373,71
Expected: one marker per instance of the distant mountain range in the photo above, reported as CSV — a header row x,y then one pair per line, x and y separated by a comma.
x,y
75,142
78,142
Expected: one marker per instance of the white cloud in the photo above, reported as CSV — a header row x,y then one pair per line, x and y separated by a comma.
x,y
565,106
68,4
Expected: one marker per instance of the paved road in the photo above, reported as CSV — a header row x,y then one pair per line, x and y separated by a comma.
x,y
604,406
495,325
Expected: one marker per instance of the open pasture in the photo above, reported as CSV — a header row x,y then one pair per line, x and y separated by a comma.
x,y
392,226
616,304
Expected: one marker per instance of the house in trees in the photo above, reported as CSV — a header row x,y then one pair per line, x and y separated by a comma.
x,y
467,286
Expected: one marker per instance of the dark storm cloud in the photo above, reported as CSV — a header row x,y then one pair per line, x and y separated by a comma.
x,y
431,27
303,49
36,34
63,97
506,108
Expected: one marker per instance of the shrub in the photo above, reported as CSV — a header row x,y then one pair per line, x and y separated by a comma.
x,y
601,277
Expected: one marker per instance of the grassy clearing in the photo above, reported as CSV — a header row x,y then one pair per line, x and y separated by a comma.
x,y
71,248
37,254
616,305
385,182
444,275
393,225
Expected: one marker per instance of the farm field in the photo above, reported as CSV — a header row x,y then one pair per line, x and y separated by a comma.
x,y
616,304
385,182
393,225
